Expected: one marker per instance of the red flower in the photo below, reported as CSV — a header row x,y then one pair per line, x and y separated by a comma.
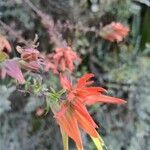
x,y
73,113
114,32
85,93
63,60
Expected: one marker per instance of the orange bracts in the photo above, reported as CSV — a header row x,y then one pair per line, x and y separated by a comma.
x,y
73,113
114,32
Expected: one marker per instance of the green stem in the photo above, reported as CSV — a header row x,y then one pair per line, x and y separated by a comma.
x,y
65,139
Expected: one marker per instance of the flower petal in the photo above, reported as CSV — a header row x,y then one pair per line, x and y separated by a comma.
x,y
85,124
94,90
90,100
83,111
65,83
83,80
68,123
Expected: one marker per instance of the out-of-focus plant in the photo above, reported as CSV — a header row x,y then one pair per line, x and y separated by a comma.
x,y
97,33
71,112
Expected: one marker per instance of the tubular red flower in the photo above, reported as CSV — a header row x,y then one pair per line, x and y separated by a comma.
x,y
84,92
114,32
68,123
62,60
73,112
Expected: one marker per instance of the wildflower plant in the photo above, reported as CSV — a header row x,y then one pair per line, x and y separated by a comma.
x,y
68,103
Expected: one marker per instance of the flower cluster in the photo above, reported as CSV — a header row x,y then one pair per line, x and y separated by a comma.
x,y
114,32
32,60
73,113
62,60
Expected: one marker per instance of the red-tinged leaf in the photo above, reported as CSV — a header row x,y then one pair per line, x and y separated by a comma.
x,y
65,83
13,70
90,100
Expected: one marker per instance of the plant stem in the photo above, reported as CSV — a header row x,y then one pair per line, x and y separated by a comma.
x,y
65,139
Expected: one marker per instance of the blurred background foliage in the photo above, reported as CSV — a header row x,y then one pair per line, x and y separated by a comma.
x,y
122,68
